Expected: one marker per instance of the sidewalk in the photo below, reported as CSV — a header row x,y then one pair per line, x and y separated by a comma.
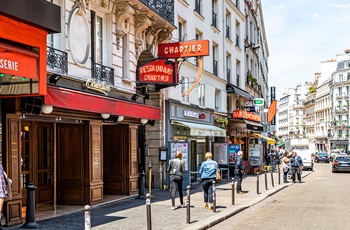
x,y
131,213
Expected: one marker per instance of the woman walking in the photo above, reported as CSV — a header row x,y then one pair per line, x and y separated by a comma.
x,y
176,169
208,175
286,166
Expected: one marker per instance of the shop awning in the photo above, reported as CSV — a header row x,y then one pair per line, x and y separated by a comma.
x,y
252,125
201,129
234,89
270,141
75,100
281,144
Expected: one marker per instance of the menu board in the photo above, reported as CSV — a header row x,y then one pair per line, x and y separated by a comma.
x,y
220,153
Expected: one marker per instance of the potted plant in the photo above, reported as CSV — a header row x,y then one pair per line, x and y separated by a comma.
x,y
346,135
249,77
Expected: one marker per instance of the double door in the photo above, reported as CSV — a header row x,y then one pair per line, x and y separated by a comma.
x,y
37,161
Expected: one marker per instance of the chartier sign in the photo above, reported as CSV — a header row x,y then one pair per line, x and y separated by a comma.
x,y
159,72
246,115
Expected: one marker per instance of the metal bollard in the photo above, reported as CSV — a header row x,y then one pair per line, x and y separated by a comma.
x,y
266,181
188,205
87,217
30,211
279,175
273,184
233,191
150,177
142,182
257,183
214,196
148,210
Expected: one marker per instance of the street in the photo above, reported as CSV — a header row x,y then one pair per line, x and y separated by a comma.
x,y
319,203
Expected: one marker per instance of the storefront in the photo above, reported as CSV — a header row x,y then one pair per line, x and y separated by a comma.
x,y
193,131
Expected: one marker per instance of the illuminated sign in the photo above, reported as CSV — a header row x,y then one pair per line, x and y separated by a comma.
x,y
158,72
184,49
272,111
97,86
246,115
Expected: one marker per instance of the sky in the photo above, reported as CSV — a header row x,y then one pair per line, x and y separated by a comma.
x,y
300,35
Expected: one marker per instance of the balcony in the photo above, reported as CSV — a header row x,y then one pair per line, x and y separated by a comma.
x,y
103,74
57,60
164,8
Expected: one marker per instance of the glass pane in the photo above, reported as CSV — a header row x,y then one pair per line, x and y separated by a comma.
x,y
25,180
45,178
99,38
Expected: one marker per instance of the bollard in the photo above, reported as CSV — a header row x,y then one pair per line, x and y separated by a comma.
x,y
188,204
257,183
30,211
273,184
148,210
150,177
279,175
214,196
87,217
266,181
233,191
142,182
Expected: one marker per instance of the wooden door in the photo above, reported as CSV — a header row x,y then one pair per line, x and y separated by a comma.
x,y
37,160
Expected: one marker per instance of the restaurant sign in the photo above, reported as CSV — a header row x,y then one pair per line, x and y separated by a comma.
x,y
246,115
184,49
157,72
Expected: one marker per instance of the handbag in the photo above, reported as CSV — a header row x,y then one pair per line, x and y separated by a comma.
x,y
217,175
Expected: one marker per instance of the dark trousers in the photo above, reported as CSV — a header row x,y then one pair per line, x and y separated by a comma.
x,y
296,170
239,181
207,184
176,180
285,175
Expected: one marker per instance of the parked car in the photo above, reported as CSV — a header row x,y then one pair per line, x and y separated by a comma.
x,y
323,157
341,164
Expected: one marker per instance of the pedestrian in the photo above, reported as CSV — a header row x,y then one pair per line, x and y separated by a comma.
x,y
297,166
239,170
208,175
286,166
5,189
176,169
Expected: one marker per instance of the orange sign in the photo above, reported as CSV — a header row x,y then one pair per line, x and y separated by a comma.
x,y
157,72
246,115
17,64
184,49
272,111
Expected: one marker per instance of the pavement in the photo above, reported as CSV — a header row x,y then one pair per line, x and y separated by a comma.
x,y
130,213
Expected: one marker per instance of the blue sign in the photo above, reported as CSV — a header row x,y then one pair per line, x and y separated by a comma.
x,y
232,150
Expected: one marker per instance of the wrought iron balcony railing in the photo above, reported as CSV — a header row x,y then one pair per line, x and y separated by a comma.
x,y
57,59
103,73
164,8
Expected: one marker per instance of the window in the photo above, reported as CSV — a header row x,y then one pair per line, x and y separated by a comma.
x,y
228,68
182,30
214,14
201,94
228,25
97,36
238,31
238,70
184,87
199,36
217,99
198,6
339,91
215,62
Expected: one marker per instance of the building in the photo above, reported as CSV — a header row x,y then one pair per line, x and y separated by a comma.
x,y
75,120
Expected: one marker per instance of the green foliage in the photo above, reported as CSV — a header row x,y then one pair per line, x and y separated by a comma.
x,y
312,89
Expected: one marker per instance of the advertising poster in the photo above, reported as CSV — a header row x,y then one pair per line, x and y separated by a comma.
x,y
232,150
220,153
184,148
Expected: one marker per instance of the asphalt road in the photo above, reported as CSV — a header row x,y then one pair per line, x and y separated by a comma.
x,y
321,202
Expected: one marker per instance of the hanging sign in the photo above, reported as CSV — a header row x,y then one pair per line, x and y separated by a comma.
x,y
159,72
184,49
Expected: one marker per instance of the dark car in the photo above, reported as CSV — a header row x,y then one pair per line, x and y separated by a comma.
x,y
323,157
341,164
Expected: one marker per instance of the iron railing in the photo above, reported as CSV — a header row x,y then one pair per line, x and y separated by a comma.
x,y
57,59
103,73
228,73
164,8
228,32
237,41
215,67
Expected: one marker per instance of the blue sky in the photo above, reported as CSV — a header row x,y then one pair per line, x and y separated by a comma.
x,y
301,34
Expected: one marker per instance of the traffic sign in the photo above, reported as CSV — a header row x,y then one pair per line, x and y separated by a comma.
x,y
258,101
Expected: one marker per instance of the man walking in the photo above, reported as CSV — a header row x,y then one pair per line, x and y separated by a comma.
x,y
297,166
239,169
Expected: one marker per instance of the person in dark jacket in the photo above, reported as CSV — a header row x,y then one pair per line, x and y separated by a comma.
x,y
176,169
297,166
239,169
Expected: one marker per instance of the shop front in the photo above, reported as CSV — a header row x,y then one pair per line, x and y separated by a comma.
x,y
192,131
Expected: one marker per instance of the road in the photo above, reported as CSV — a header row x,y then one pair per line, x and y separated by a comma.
x,y
321,202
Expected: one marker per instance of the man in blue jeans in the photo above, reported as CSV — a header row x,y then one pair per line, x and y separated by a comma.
x,y
297,166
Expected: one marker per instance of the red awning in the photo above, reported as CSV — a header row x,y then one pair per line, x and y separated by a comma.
x,y
75,100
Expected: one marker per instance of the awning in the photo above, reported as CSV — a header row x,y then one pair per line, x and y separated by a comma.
x,y
270,141
252,125
281,144
234,89
201,129
75,100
